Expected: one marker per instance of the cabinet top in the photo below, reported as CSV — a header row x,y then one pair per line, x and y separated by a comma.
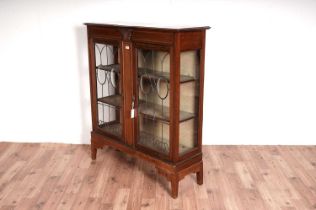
x,y
154,27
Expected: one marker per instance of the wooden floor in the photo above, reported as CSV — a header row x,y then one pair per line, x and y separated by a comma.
x,y
57,176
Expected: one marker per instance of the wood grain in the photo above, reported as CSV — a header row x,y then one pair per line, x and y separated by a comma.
x,y
60,176
171,164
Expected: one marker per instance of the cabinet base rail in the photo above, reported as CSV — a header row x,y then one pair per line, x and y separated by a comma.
x,y
174,172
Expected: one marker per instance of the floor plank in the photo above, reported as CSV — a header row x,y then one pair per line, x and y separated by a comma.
x,y
61,176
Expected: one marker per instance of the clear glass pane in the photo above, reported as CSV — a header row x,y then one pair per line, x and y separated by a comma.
x,y
189,100
109,90
153,99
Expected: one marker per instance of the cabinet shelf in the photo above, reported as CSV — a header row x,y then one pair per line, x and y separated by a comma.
x,y
153,142
162,113
156,143
110,67
152,74
148,73
148,110
114,100
113,128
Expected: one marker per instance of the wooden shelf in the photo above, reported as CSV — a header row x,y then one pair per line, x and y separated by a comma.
x,y
149,73
112,128
152,74
162,113
114,100
148,110
145,139
115,67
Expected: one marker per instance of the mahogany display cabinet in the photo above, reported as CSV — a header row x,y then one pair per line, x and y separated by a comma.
x,y
146,88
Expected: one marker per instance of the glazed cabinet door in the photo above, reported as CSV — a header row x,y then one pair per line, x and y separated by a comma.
x,y
106,78
153,100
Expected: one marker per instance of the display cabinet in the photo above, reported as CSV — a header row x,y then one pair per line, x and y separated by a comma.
x,y
146,88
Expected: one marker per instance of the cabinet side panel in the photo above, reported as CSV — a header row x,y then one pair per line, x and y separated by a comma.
x,y
202,69
92,78
191,40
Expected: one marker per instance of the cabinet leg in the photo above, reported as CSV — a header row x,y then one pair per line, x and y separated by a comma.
x,y
199,175
93,152
174,187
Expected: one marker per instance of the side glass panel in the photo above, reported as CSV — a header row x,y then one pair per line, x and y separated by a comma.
x,y
153,69
109,89
189,100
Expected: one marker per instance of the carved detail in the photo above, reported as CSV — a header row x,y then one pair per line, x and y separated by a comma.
x,y
126,34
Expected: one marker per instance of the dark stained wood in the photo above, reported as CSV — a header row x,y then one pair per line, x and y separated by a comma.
x,y
202,64
191,40
126,34
189,153
199,175
151,46
104,32
175,100
150,36
154,74
93,83
174,186
115,67
149,108
127,53
99,141
166,28
130,38
148,150
114,100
